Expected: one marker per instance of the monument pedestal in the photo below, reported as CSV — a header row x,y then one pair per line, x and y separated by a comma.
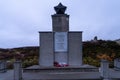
x,y
60,47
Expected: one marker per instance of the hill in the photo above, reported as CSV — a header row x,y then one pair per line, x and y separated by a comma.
x,y
92,53
29,55
101,47
118,41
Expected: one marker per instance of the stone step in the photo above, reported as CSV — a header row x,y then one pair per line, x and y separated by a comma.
x,y
62,76
60,69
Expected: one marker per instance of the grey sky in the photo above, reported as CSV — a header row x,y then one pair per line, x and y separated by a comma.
x,y
20,20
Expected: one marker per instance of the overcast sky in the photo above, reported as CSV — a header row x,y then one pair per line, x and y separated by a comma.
x,y
21,20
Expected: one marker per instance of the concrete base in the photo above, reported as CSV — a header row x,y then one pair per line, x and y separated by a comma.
x,y
83,68
58,73
62,76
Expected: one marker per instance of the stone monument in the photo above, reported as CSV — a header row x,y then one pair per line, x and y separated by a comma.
x,y
60,47
60,54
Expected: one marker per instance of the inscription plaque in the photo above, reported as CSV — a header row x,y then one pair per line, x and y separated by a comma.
x,y
60,41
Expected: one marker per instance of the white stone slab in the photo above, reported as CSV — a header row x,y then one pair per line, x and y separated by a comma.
x,y
61,41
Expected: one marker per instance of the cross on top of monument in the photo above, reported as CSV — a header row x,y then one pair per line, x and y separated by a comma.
x,y
60,9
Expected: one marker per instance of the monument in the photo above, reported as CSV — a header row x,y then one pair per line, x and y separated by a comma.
x,y
60,47
60,54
